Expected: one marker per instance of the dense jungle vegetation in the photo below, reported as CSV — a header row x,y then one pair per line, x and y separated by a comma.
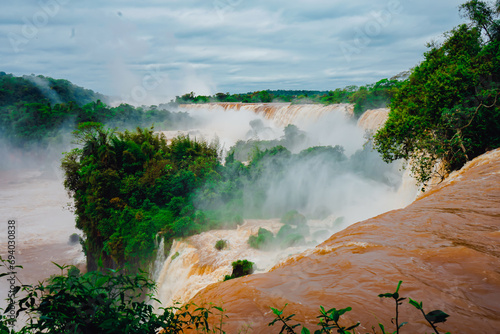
x,y
448,110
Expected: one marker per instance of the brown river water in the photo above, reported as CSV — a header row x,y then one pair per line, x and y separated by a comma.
x,y
38,203
445,247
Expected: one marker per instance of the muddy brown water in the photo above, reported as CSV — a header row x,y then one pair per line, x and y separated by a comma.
x,y
445,247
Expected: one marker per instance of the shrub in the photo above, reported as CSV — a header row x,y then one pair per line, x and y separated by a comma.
x,y
74,239
293,217
184,227
240,268
262,240
221,244
284,231
101,303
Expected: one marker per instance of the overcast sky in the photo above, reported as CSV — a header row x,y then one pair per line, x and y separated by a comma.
x,y
148,51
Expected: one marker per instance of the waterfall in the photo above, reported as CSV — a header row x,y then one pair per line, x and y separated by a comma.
x,y
157,265
373,119
444,246
281,113
194,263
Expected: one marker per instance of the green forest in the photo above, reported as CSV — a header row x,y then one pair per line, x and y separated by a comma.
x,y
377,95
36,111
131,186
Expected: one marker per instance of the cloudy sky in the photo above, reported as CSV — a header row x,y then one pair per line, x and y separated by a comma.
x,y
151,50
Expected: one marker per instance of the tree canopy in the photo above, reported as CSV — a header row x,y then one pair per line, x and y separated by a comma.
x,y
448,110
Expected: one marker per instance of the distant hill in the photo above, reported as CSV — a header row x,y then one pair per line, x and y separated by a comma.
x,y
35,89
36,111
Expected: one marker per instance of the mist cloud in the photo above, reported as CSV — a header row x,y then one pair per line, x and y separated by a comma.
x,y
346,179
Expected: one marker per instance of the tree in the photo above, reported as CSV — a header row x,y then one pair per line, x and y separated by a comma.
x,y
265,97
448,110
482,15
128,186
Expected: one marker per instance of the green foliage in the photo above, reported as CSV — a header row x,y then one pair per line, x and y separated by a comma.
x,y
35,111
265,97
289,236
263,240
240,268
284,231
448,109
109,303
330,320
175,256
377,95
433,317
40,89
129,186
286,328
221,244
483,16
291,240
74,238
293,217
399,301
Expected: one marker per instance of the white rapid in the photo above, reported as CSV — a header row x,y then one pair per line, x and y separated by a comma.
x,y
194,262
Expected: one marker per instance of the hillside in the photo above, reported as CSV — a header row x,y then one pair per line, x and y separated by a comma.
x,y
39,89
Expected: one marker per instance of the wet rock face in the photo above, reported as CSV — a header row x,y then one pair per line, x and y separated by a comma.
x,y
445,247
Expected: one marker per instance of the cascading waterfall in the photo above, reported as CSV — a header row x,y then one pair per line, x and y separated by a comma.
x,y
157,265
194,263
373,119
280,113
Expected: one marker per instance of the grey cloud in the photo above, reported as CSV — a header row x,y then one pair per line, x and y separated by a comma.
x,y
223,45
